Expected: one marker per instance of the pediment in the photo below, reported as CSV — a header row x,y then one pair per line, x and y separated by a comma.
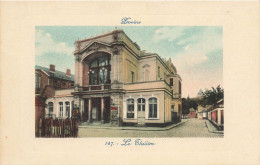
x,y
95,46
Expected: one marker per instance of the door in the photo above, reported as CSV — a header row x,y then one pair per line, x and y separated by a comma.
x,y
94,113
106,114
141,111
96,109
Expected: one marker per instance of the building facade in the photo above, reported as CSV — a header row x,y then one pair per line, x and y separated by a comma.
x,y
49,77
202,112
216,115
48,82
117,83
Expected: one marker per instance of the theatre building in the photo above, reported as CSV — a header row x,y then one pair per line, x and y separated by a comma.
x,y
117,83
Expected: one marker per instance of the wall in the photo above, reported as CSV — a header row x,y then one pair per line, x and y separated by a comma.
x,y
176,87
177,103
44,80
146,95
147,64
162,75
130,64
167,108
56,99
129,43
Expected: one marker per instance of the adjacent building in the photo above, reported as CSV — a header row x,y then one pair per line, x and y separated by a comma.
x,y
202,112
49,77
118,83
192,113
216,115
47,81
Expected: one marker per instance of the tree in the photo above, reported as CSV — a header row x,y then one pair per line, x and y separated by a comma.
x,y
187,104
211,97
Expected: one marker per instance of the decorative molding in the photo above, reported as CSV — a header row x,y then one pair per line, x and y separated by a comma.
x,y
77,58
116,50
115,36
146,66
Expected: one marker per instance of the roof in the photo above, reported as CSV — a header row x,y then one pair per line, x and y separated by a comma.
x,y
57,74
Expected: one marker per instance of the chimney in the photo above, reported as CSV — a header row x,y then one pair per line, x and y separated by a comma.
x,y
68,72
52,68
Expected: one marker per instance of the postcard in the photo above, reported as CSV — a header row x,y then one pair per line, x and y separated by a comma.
x,y
130,83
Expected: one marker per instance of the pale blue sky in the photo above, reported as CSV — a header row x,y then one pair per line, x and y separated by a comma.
x,y
196,51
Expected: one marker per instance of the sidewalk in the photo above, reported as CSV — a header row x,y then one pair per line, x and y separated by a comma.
x,y
135,128
212,128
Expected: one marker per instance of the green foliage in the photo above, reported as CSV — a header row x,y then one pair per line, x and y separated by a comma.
x,y
188,103
211,97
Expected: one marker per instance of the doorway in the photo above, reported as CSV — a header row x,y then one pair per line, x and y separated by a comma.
x,y
141,111
96,109
106,115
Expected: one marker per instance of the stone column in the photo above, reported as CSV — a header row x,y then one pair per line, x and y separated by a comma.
x,y
135,108
102,109
80,74
89,110
81,108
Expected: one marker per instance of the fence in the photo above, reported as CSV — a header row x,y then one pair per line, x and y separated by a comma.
x,y
60,128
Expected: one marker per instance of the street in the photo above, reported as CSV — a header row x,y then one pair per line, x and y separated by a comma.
x,y
191,128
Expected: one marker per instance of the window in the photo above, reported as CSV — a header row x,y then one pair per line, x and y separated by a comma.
x,y
37,80
130,108
94,77
99,71
61,109
158,71
72,105
172,108
50,105
153,108
67,108
141,104
171,81
133,74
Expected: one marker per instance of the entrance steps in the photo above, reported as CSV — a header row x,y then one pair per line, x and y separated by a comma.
x,y
99,124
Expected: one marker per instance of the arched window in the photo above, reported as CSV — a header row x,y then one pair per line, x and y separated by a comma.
x,y
61,109
99,71
141,104
130,108
67,108
153,107
50,105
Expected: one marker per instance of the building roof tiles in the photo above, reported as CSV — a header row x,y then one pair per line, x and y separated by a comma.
x,y
56,74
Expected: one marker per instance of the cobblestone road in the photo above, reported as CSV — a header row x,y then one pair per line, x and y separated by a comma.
x,y
191,128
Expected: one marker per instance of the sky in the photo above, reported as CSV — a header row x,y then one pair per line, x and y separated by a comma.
x,y
196,51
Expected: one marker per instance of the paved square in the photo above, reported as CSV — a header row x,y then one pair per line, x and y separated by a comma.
x,y
191,128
